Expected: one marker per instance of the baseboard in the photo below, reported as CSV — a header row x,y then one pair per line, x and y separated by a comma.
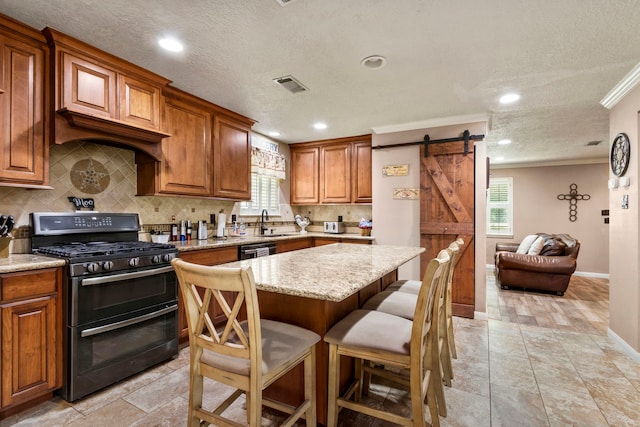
x,y
590,274
630,351
492,267
480,315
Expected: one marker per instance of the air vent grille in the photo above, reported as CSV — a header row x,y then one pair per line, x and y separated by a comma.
x,y
291,84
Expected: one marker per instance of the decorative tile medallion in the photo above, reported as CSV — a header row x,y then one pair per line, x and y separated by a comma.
x,y
90,176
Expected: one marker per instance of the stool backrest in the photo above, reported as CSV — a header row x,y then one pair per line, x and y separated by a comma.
x,y
234,291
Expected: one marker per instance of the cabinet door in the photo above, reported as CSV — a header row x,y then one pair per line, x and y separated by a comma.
x,y
361,189
205,257
87,87
186,155
231,160
335,173
304,176
292,245
31,349
139,103
23,149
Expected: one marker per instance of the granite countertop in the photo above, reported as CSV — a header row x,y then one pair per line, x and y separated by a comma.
x,y
330,272
25,262
212,243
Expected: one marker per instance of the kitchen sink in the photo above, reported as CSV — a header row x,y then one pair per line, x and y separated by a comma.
x,y
279,234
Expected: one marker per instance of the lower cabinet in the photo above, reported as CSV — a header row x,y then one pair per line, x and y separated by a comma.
x,y
204,257
319,241
293,245
31,335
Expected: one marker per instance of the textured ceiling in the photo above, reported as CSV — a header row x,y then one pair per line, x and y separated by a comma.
x,y
445,59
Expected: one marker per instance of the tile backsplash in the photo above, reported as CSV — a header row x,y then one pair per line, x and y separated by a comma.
x,y
108,175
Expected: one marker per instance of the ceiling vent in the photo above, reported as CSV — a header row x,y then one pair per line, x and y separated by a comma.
x,y
592,143
283,3
290,84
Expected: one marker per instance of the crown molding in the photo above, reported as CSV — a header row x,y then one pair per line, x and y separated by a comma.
x,y
432,123
622,88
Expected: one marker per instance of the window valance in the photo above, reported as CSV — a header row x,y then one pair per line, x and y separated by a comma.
x,y
268,163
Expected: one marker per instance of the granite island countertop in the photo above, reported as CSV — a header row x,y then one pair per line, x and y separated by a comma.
x,y
212,243
331,272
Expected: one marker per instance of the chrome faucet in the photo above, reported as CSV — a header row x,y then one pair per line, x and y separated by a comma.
x,y
263,227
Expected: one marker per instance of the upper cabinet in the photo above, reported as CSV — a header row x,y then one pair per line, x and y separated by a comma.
x,y
100,96
186,165
24,146
197,161
336,171
231,158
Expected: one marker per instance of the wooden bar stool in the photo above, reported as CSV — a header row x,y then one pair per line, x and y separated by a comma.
x,y
248,355
378,338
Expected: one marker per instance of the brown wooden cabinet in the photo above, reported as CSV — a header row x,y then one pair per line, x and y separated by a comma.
x,y
336,171
205,257
186,165
320,241
361,188
305,181
24,117
31,343
197,161
231,159
293,245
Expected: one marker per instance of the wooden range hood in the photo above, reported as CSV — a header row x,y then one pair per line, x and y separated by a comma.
x,y
101,98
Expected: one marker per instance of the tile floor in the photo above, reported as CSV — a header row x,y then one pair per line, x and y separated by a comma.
x,y
540,360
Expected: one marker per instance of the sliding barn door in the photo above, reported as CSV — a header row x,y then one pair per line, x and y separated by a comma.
x,y
447,212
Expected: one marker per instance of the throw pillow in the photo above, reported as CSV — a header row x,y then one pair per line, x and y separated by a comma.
x,y
526,243
536,246
553,247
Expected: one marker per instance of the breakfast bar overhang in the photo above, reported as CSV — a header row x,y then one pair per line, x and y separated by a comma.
x,y
315,288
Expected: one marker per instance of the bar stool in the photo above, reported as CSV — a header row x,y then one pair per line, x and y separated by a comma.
x,y
248,355
413,287
378,338
403,304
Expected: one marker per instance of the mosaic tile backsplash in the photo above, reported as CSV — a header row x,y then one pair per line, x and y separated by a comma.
x,y
108,175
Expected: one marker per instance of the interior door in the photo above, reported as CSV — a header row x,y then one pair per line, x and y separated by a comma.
x,y
447,212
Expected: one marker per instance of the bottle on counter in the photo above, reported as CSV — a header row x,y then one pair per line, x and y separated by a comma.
x,y
189,230
243,228
174,232
183,230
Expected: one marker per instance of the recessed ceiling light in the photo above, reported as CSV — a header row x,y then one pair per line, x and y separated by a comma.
x,y
274,133
499,159
504,142
509,98
320,125
171,44
374,62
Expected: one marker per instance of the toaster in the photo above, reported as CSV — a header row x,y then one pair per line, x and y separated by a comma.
x,y
333,227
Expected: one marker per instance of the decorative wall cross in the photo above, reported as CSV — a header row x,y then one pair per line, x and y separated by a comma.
x,y
573,198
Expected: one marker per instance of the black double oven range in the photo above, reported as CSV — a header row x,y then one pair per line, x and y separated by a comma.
x,y
120,296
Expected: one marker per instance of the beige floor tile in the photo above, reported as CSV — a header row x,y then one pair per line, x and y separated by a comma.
x,y
466,409
512,407
55,412
152,396
117,413
172,414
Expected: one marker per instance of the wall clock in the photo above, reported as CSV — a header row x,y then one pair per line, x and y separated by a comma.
x,y
620,153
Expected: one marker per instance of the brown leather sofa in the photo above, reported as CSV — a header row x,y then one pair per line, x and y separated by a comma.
x,y
550,271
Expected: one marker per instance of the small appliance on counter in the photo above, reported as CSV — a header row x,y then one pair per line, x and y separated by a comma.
x,y
334,227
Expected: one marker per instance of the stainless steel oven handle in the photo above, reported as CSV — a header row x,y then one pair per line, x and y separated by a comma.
x,y
123,324
126,276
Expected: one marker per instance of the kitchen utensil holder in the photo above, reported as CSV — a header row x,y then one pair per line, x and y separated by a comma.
x,y
5,246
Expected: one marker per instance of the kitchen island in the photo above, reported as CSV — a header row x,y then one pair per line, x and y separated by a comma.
x,y
316,287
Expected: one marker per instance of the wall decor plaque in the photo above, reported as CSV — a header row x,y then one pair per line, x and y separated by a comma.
x,y
395,170
406,193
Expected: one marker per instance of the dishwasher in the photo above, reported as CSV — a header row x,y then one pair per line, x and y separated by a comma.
x,y
255,250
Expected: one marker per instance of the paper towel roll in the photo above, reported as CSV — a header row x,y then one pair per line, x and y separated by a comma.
x,y
222,222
